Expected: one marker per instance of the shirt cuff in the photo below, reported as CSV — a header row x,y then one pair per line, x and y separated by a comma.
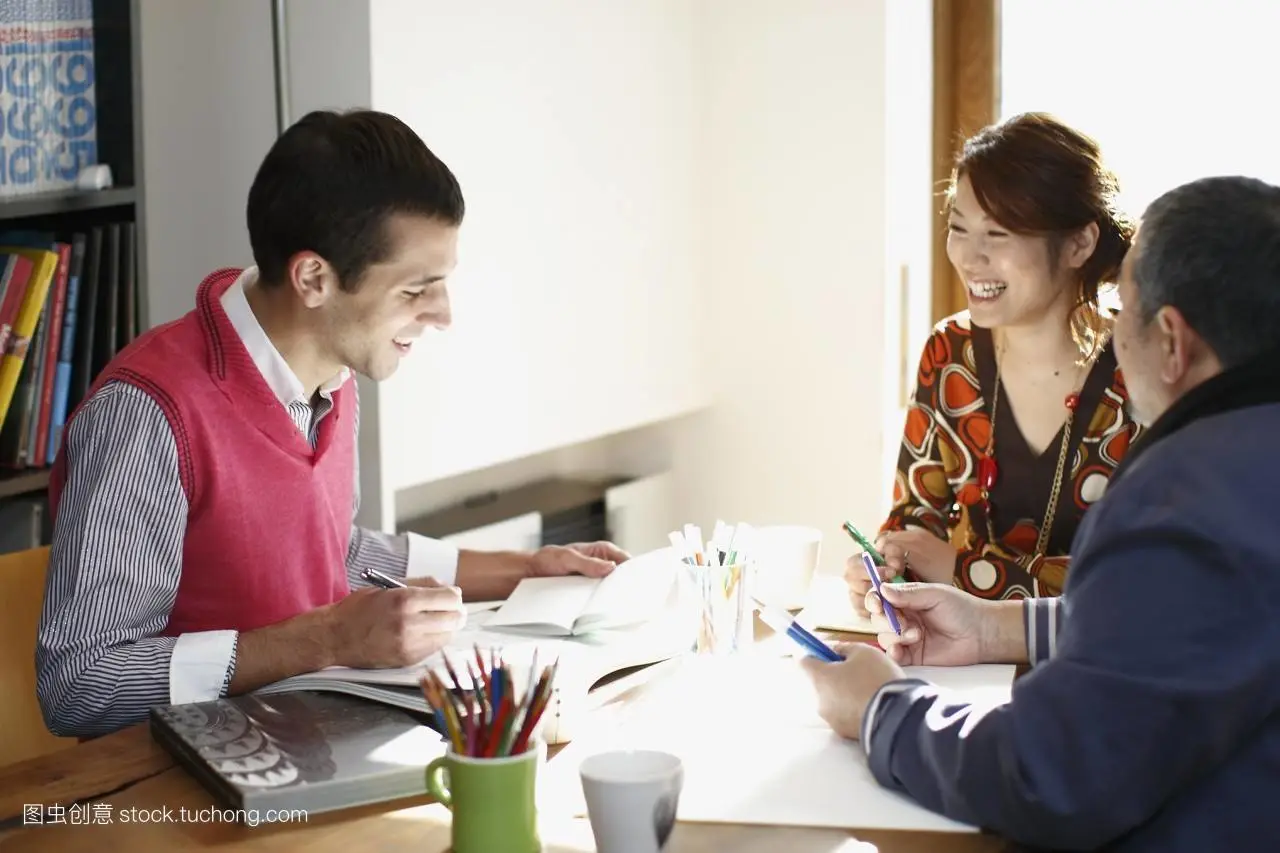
x,y
892,688
1041,621
199,665
432,558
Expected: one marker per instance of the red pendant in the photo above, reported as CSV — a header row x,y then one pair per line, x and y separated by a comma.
x,y
987,472
1072,401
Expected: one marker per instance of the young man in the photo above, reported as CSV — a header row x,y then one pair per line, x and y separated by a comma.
x,y
1151,721
204,494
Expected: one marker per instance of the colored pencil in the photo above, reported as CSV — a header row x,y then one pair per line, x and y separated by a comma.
x,y
491,720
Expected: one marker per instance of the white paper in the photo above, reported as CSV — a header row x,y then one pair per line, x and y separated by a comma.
x,y
546,605
748,761
474,607
632,594
829,608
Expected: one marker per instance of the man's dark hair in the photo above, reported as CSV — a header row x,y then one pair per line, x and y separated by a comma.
x,y
329,184
1211,249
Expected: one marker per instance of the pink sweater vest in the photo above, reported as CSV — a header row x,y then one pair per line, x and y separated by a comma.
x,y
269,519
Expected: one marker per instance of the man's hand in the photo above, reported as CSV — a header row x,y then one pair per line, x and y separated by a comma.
x,y
844,688
492,575
424,582
945,626
593,559
376,628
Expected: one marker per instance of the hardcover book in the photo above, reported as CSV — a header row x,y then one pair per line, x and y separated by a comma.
x,y
309,752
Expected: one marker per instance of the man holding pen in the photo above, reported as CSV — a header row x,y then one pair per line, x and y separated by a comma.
x,y
1151,719
205,494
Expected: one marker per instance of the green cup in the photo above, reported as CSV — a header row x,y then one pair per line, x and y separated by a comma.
x,y
493,800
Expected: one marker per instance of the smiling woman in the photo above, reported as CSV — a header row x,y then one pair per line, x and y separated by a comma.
x,y
1035,234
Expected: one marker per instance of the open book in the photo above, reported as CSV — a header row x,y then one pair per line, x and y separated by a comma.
x,y
584,661
634,594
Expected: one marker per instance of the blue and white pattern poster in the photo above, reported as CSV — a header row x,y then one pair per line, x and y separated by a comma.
x,y
48,109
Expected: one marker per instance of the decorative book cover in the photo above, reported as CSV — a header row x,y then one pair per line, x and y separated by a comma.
x,y
308,752
48,102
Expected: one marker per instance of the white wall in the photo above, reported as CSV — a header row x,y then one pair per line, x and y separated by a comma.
x,y
793,166
208,110
571,125
319,77
663,167
911,207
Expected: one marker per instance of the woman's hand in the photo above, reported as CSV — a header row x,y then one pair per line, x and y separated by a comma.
x,y
931,559
859,582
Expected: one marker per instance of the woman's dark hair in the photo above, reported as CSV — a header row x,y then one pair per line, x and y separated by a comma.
x,y
1035,175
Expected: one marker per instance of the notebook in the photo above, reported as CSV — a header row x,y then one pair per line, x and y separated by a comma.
x,y
829,608
309,752
631,595
783,768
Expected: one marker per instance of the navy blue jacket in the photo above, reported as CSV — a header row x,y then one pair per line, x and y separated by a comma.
x,y
1155,724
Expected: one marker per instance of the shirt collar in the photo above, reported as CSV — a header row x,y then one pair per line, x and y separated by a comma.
x,y
283,382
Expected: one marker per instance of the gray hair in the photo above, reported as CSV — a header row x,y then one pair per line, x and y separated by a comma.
x,y
1211,249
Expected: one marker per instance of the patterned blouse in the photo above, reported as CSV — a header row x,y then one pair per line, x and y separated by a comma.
x,y
946,434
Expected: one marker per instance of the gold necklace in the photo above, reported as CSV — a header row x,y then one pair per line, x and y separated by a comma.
x,y
988,471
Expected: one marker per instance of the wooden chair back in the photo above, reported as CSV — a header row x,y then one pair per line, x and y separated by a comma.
x,y
22,730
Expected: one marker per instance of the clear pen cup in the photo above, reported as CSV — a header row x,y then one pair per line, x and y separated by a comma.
x,y
726,615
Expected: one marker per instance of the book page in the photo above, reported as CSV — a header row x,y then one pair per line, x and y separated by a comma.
x,y
632,594
546,606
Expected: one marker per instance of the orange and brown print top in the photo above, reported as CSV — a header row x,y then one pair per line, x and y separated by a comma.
x,y
947,432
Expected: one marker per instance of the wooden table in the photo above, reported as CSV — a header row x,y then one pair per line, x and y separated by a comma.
x,y
129,771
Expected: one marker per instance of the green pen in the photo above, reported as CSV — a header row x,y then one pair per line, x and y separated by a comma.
x,y
866,545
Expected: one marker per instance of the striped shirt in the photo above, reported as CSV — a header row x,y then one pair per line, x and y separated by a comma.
x,y
116,558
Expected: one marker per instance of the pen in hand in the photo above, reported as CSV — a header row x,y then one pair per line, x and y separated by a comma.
x,y
865,544
889,612
378,578
781,621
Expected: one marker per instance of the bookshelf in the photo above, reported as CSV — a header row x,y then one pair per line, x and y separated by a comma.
x,y
110,299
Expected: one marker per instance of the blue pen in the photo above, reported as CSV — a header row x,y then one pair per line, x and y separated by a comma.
x,y
870,566
781,621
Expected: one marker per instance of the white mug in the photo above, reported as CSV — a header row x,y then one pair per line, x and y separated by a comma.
x,y
786,558
632,797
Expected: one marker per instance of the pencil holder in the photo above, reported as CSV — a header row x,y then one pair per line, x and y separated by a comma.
x,y
725,617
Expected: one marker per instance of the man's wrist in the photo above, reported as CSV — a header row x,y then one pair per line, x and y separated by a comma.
x,y
308,642
323,636
1002,636
512,564
492,575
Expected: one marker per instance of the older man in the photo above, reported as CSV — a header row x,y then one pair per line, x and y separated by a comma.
x,y
1151,721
